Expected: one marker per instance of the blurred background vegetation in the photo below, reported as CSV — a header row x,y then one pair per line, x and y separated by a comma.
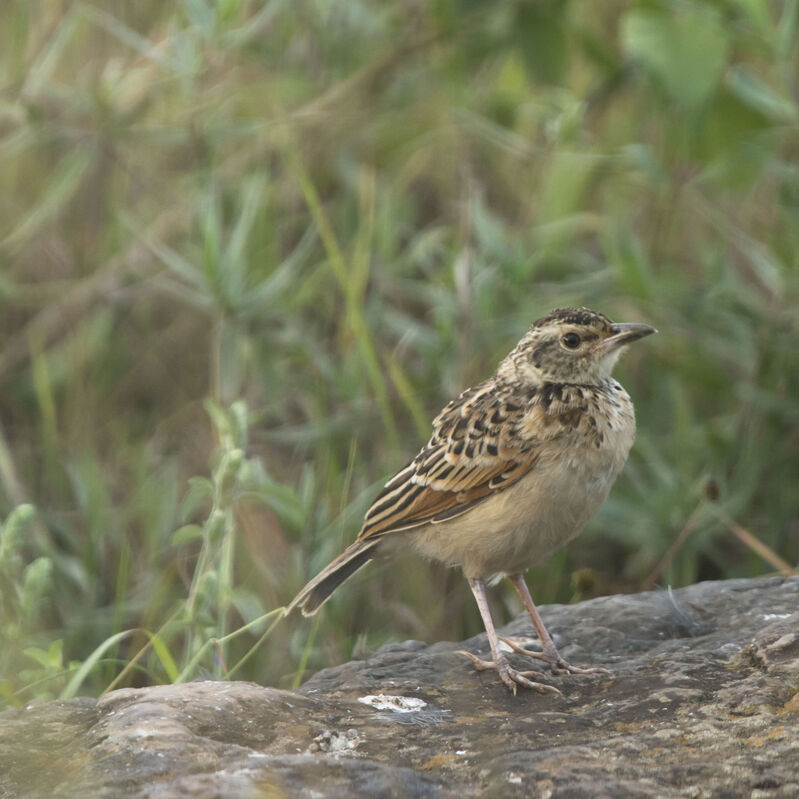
x,y
248,249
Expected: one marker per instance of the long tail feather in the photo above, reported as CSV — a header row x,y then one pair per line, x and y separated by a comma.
x,y
318,590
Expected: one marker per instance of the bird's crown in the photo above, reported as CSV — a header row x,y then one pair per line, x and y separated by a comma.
x,y
573,316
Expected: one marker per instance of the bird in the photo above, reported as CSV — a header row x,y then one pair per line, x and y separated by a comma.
x,y
513,470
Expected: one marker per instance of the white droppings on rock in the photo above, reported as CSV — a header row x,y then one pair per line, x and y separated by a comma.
x,y
398,704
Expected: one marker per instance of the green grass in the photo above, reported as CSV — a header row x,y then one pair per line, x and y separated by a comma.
x,y
248,250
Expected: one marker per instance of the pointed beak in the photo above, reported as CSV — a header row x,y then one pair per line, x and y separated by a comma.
x,y
626,333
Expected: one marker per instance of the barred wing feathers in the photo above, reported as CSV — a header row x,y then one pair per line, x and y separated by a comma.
x,y
480,445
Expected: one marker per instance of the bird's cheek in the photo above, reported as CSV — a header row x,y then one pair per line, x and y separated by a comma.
x,y
528,373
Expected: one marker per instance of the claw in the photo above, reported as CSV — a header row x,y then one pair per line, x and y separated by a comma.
x,y
519,650
562,667
509,675
553,659
479,663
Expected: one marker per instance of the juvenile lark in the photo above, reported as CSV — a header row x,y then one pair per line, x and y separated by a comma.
x,y
514,469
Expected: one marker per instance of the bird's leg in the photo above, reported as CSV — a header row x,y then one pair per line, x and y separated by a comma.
x,y
508,675
549,652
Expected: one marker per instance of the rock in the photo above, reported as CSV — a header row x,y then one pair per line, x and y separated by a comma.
x,y
702,700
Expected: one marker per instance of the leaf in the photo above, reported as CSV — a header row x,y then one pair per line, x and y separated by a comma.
x,y
189,532
200,492
7,692
162,652
752,91
13,532
60,190
172,259
250,608
221,421
55,652
787,28
83,671
39,73
234,257
281,278
239,423
210,221
627,255
541,38
202,16
685,50
564,184
52,657
150,50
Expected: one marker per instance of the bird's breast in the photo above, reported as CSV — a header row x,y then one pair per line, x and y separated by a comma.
x,y
522,525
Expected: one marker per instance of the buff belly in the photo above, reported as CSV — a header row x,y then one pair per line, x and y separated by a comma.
x,y
517,528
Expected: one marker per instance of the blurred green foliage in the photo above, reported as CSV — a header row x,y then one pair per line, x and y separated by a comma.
x,y
248,249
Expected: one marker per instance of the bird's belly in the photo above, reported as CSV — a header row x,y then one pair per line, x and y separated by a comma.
x,y
521,526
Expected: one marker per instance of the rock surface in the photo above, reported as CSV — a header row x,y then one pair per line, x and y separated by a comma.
x,y
702,700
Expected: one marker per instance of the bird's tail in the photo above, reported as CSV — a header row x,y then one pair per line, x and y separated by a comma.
x,y
318,590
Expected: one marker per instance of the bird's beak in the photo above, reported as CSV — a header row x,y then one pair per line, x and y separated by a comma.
x,y
625,333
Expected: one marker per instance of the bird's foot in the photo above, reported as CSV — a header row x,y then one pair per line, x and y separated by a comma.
x,y
509,675
552,658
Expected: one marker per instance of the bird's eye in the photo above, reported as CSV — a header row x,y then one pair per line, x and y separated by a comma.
x,y
571,341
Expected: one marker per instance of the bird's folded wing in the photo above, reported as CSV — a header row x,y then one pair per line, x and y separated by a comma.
x,y
480,445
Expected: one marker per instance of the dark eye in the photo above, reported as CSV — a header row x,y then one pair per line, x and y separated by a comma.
x,y
571,341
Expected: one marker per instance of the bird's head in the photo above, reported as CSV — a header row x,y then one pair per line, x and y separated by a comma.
x,y
570,345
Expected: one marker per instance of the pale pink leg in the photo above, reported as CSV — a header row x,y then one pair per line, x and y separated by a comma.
x,y
507,674
549,652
